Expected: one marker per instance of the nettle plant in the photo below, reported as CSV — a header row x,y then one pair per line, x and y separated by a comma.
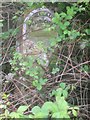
x,y
60,108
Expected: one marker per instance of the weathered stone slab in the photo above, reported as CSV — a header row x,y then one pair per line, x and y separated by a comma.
x,y
35,33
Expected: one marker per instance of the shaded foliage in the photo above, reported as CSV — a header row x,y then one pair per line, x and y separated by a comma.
x,y
66,77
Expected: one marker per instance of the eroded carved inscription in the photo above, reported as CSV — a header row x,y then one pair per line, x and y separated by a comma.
x,y
35,35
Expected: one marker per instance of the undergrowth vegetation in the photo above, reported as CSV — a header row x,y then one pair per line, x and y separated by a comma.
x,y
60,89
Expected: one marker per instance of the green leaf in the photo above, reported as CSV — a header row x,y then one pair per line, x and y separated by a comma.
x,y
53,43
36,110
74,112
86,68
66,31
49,107
58,39
59,92
68,17
66,23
42,81
28,22
15,17
76,107
62,26
37,84
65,93
56,115
74,34
27,72
35,76
61,114
21,109
14,115
53,92
29,4
15,32
67,88
6,113
61,105
55,70
63,15
41,115
31,116
70,11
62,85
87,31
57,15
56,18
39,87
